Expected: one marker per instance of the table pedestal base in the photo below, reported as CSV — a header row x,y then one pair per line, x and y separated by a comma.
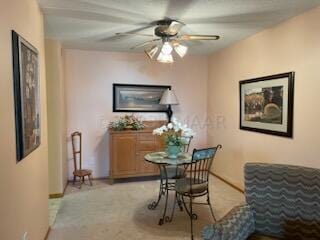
x,y
165,187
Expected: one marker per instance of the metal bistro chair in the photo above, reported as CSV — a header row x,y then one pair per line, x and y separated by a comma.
x,y
77,157
186,146
196,183
169,174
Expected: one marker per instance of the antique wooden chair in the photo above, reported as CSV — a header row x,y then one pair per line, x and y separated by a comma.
x,y
76,138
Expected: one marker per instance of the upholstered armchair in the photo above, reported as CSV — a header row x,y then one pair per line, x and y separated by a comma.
x,y
283,202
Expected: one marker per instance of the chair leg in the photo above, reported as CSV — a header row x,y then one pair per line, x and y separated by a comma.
x,y
174,205
191,217
83,179
89,177
185,206
209,203
180,203
74,179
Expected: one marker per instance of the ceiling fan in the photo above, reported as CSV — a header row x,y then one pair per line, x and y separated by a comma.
x,y
168,39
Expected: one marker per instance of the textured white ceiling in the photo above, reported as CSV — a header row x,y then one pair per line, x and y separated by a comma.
x,y
91,24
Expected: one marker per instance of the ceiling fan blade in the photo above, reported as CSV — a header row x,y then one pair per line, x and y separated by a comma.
x,y
198,37
89,15
145,43
116,36
137,34
105,7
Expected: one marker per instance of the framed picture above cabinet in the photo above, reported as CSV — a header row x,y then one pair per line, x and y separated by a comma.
x,y
26,95
138,98
266,104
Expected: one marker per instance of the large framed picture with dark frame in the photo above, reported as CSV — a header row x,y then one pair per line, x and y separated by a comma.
x,y
26,96
266,104
138,98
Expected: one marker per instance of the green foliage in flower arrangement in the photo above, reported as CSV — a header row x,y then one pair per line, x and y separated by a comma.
x,y
127,122
173,140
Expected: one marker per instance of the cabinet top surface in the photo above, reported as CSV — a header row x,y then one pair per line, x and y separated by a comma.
x,y
149,127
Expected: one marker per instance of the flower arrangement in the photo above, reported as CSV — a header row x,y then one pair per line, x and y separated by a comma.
x,y
127,122
175,133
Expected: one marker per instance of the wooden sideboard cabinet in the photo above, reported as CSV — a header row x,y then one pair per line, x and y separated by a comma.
x,y
128,148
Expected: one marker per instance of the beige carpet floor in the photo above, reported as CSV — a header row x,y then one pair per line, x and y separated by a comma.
x,y
54,206
119,212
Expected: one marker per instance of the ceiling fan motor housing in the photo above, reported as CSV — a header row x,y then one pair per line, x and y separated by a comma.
x,y
163,29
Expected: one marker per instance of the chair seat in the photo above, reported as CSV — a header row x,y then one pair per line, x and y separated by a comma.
x,y
183,186
82,172
173,172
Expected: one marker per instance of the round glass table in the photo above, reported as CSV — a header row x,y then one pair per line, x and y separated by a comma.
x,y
162,158
165,164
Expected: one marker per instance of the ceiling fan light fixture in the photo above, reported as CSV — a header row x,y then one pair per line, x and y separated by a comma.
x,y
167,31
165,58
181,50
151,52
166,48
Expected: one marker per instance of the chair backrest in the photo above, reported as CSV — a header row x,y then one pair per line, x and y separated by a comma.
x,y
199,169
186,146
285,200
76,138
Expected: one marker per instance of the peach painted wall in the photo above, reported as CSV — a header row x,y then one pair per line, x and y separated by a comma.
x,y
89,79
293,45
23,185
57,139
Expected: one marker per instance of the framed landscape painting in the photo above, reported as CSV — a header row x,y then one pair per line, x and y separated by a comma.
x,y
266,104
26,94
138,98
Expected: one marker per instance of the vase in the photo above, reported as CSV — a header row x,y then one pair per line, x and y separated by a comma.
x,y
173,151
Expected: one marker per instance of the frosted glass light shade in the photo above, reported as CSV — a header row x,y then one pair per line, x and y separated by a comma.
x,y
151,52
166,48
169,98
164,58
181,50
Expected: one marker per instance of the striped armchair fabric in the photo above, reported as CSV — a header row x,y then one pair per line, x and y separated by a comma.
x,y
282,202
236,225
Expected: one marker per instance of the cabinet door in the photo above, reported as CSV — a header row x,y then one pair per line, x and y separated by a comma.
x,y
160,143
143,165
124,154
146,143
